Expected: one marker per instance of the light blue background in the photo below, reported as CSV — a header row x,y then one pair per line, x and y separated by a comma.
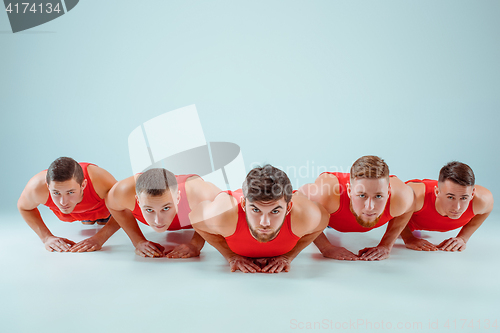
x,y
294,83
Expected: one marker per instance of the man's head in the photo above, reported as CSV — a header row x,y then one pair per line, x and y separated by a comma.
x,y
455,189
267,195
66,182
368,189
158,196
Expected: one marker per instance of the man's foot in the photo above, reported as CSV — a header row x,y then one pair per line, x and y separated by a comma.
x,y
99,221
102,221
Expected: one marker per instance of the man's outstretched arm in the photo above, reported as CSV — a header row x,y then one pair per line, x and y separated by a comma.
x,y
383,249
484,207
328,250
27,205
212,221
282,263
403,199
102,182
236,262
311,220
189,250
415,243
124,217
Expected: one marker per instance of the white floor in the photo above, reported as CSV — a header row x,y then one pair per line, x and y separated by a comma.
x,y
114,290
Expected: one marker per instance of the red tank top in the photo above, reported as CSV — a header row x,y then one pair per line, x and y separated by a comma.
x,y
181,219
243,243
343,220
90,208
427,218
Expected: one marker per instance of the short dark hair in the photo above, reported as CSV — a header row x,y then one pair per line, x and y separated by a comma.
x,y
64,169
457,172
371,167
155,182
267,183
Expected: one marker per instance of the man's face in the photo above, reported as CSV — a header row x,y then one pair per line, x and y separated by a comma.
x,y
452,200
368,199
159,211
265,218
66,195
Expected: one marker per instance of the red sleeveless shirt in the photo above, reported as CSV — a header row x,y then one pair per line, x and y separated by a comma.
x,y
90,208
242,242
343,220
181,219
427,218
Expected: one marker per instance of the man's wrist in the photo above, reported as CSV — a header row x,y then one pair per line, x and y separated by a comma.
x,y
99,238
231,257
46,237
387,246
325,247
197,243
138,240
408,238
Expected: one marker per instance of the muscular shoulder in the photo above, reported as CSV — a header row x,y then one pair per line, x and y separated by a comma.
x,y
482,201
325,191
198,190
102,180
402,197
218,217
35,192
419,191
122,195
307,216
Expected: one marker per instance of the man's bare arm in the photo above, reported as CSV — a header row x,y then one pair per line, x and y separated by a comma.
x,y
102,182
325,191
197,191
36,193
192,249
328,250
414,243
236,262
382,250
282,263
403,199
311,219
117,202
217,220
484,207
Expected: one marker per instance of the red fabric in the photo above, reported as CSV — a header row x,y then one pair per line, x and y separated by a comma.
x,y
343,220
243,243
183,209
90,208
429,219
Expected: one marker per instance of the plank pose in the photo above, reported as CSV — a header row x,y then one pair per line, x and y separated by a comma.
x,y
163,201
359,201
74,192
453,201
262,227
